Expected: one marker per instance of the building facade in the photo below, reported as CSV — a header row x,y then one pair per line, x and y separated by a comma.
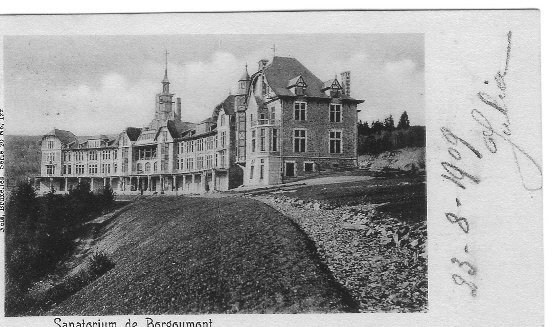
x,y
282,123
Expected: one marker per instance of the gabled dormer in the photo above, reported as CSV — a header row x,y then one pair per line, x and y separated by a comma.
x,y
297,85
332,88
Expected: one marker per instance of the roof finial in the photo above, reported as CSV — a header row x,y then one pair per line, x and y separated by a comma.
x,y
274,50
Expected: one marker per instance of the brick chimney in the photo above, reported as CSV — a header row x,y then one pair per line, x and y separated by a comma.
x,y
178,113
346,82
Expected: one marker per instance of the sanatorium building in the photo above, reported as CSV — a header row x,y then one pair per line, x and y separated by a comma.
x,y
283,123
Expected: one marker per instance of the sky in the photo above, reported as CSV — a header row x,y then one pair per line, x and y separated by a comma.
x,y
93,85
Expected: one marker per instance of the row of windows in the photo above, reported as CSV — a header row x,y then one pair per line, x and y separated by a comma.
x,y
147,167
203,162
300,112
201,144
300,141
80,169
267,136
81,155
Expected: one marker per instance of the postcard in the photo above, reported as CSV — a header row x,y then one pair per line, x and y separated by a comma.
x,y
308,168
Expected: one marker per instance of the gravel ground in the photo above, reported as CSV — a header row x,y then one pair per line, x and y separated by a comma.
x,y
379,259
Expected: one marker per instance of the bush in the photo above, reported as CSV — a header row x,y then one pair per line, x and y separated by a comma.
x,y
100,263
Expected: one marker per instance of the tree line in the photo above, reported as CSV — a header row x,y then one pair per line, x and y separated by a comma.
x,y
40,233
381,136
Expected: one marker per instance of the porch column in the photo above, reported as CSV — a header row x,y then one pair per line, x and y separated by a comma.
x,y
66,184
162,182
149,183
92,183
172,183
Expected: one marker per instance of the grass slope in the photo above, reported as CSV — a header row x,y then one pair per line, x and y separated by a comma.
x,y
207,255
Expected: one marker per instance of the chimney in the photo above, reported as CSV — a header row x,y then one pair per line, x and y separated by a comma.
x,y
263,63
178,113
346,82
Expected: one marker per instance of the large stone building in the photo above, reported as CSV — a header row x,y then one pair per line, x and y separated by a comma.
x,y
282,123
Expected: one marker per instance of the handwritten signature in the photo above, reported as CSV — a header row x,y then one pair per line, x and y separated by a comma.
x,y
529,170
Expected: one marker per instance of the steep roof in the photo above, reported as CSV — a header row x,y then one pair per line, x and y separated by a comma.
x,y
284,69
65,137
133,133
227,105
176,128
245,76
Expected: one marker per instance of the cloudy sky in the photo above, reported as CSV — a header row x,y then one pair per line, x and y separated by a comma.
x,y
102,84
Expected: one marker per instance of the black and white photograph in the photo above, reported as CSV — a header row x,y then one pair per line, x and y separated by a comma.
x,y
216,174
271,168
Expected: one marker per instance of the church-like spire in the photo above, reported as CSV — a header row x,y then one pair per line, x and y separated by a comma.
x,y
166,78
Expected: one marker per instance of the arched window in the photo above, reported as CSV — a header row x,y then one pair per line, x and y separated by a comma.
x,y
148,167
155,166
139,167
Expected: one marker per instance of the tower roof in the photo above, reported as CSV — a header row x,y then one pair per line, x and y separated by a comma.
x,y
245,76
166,78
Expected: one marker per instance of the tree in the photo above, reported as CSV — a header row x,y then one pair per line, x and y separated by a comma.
x,y
389,123
404,122
377,126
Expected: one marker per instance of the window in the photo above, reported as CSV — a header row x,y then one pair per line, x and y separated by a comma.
x,y
272,113
190,163
139,168
79,169
165,136
263,139
222,120
209,143
115,154
299,140
106,168
66,156
147,167
335,113
300,111
274,143
199,163
309,167
79,156
93,155
106,154
93,169
115,168
200,144
252,172
209,161
261,171
335,141
50,169
51,156
223,159
50,144
66,169
253,140
125,141
223,139
155,166
191,146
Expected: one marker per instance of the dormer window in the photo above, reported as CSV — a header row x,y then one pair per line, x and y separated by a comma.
x,y
298,86
333,87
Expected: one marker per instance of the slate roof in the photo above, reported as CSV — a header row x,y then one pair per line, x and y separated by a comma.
x,y
176,128
65,137
133,133
227,105
284,69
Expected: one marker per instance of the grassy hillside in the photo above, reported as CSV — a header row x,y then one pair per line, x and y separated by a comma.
x,y
207,255
22,157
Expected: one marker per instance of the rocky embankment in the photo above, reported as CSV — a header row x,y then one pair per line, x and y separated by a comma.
x,y
379,259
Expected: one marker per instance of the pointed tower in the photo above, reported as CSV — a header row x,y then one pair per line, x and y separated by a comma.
x,y
164,101
243,83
